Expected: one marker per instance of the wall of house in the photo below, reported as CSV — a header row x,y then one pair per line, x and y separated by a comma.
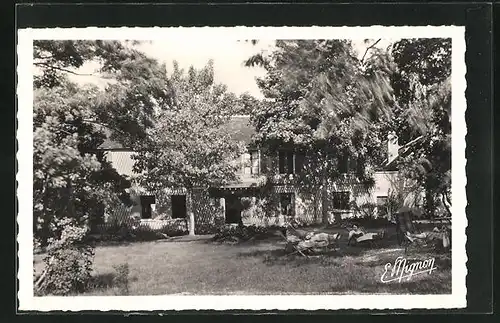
x,y
263,211
308,207
121,215
384,181
122,161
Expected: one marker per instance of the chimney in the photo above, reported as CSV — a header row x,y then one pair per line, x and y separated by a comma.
x,y
392,146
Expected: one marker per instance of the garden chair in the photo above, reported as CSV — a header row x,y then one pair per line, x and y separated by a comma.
x,y
360,236
354,234
304,242
292,244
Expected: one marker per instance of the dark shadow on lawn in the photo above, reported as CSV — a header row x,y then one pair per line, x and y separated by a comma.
x,y
102,281
108,281
253,241
111,243
274,257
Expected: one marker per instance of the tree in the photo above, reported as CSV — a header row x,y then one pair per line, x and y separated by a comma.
x,y
72,179
190,146
326,103
422,116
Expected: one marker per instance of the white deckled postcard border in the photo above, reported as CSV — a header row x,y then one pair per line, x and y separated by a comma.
x,y
27,301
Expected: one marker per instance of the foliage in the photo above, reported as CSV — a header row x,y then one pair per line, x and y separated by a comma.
x,y
366,209
68,262
190,146
68,180
246,104
422,117
235,234
321,98
328,105
71,177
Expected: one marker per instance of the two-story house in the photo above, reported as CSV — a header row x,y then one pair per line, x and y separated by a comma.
x,y
264,195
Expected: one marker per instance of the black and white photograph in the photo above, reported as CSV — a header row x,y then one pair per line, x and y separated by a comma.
x,y
242,168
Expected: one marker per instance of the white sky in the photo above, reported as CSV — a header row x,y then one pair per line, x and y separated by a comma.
x,y
228,56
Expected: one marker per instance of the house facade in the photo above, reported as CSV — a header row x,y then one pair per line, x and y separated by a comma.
x,y
266,193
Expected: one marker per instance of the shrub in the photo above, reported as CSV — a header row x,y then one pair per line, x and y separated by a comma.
x,y
238,233
68,264
69,270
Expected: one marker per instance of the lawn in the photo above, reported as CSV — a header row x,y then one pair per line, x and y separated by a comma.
x,y
257,267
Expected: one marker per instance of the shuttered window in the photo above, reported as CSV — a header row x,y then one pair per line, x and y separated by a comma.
x,y
255,162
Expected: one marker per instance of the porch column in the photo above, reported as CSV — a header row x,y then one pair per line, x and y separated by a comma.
x,y
223,208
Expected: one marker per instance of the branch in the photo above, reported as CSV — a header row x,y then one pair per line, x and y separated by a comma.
x,y
41,279
107,125
39,56
368,48
61,69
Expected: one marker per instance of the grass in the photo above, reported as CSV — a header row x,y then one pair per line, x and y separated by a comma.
x,y
257,267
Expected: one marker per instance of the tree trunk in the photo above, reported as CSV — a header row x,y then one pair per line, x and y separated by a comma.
x,y
314,197
429,203
446,203
190,214
324,203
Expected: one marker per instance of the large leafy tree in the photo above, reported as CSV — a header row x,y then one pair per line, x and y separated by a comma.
x,y
422,117
328,104
190,145
72,179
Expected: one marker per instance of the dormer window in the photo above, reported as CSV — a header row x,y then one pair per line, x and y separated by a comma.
x,y
255,162
251,162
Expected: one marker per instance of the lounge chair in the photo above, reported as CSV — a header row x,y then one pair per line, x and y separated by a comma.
x,y
360,236
304,242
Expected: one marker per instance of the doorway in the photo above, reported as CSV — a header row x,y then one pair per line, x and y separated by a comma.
x,y
233,209
146,209
179,206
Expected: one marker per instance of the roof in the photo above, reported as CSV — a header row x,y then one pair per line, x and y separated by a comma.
x,y
238,127
109,144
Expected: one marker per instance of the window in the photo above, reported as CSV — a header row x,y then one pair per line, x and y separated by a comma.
x,y
247,163
146,209
341,200
255,162
343,163
381,205
299,162
251,162
286,204
286,162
